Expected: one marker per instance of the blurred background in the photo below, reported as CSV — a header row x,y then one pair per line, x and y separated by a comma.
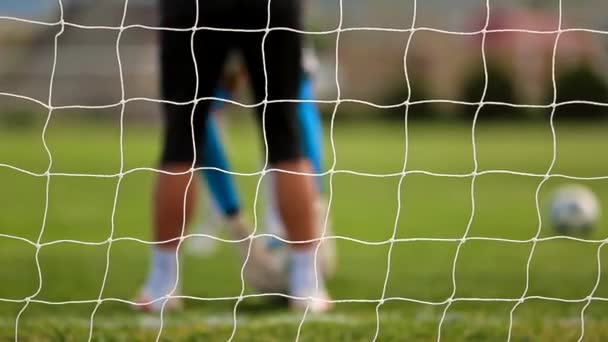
x,y
444,66
440,66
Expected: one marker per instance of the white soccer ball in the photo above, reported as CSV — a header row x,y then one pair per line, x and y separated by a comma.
x,y
574,210
268,264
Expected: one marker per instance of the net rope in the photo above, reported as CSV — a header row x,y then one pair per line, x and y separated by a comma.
x,y
48,175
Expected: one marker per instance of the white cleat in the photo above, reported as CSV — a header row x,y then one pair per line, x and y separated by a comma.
x,y
201,245
145,303
319,302
213,221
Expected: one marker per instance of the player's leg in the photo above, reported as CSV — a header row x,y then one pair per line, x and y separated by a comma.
x,y
311,135
311,140
221,205
272,216
175,189
295,192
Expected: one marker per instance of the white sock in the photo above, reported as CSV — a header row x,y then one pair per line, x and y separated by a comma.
x,y
302,281
163,273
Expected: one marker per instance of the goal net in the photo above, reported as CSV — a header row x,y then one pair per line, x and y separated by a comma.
x,y
488,45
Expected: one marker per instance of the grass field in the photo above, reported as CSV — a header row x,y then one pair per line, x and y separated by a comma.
x,y
363,207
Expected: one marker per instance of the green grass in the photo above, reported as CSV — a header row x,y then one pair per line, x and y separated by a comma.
x,y
365,208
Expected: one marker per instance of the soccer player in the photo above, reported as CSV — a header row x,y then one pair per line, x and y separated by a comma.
x,y
311,134
222,202
221,205
274,74
222,208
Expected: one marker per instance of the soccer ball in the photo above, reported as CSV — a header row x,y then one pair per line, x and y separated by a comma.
x,y
574,210
269,263
267,266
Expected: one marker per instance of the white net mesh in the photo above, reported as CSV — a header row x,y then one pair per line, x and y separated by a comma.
x,y
49,175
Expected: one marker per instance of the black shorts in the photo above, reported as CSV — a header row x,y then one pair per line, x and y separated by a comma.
x,y
282,50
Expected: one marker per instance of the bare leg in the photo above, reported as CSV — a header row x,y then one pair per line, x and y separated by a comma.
x,y
169,204
169,222
296,198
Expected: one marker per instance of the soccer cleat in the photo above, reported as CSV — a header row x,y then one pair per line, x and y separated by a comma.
x,y
306,286
144,303
200,245
213,221
237,228
319,302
